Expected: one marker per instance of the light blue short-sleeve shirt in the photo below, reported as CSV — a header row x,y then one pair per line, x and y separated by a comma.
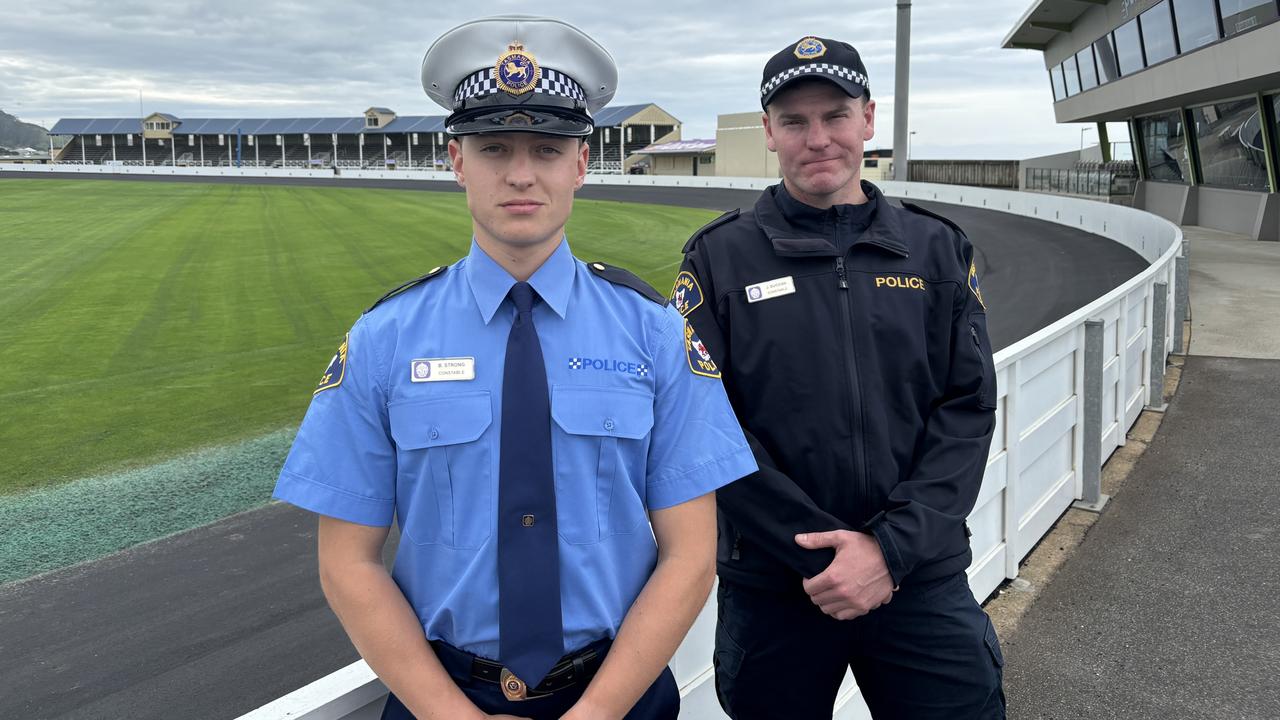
x,y
406,425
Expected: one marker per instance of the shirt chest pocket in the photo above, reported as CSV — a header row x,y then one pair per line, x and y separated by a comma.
x,y
600,448
445,482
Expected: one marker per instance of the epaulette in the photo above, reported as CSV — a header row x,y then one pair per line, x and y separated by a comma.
x,y
621,276
727,217
919,210
416,281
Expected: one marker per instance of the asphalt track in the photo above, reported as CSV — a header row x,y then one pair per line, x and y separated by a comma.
x,y
216,621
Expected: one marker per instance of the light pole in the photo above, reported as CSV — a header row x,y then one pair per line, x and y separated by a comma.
x,y
1083,130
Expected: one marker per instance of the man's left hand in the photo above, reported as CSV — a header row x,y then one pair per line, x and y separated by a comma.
x,y
856,582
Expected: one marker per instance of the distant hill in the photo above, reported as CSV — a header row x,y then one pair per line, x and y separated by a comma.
x,y
17,134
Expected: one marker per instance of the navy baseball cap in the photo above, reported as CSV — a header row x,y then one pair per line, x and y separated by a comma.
x,y
815,57
519,73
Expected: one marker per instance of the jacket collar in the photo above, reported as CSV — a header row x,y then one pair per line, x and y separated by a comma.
x,y
795,229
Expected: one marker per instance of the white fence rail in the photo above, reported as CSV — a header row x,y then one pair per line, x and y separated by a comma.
x,y
1036,466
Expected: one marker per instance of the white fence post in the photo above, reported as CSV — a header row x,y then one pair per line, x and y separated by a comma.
x,y
1092,498
1159,324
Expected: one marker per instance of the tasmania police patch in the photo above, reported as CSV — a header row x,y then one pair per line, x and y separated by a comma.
x,y
336,370
973,285
700,361
686,295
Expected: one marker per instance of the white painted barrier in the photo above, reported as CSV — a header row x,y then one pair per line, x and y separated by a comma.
x,y
1035,466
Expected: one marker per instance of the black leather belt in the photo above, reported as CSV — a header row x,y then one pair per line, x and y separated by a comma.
x,y
568,672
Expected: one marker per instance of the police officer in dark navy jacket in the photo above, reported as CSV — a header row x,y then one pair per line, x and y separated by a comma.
x,y
852,338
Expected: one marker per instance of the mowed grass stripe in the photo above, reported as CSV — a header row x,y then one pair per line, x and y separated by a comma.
x,y
147,320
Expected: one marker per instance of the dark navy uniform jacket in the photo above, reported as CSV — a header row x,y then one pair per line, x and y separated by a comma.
x,y
857,361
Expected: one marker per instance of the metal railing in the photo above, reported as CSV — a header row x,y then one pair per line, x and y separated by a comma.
x,y
1091,179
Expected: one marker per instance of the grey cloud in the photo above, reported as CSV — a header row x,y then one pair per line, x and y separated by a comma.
x,y
696,59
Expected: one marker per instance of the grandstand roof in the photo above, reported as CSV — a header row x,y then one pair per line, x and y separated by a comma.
x,y
613,116
609,117
680,146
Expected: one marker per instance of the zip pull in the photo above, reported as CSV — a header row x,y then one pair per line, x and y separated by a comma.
x,y
844,277
974,332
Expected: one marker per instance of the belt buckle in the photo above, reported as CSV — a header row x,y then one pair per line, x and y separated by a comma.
x,y
513,687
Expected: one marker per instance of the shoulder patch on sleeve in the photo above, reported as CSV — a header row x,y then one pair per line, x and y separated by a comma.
x,y
626,278
921,211
337,369
973,284
727,217
686,295
405,286
700,361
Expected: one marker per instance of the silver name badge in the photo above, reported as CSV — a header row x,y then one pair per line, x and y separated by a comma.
x,y
442,369
770,289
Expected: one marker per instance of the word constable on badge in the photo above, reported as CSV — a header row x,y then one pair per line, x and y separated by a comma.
x,y
442,369
770,289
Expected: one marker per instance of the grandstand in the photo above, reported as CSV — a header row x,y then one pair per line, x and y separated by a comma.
x,y
379,139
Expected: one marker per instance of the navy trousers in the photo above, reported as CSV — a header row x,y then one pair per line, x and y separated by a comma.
x,y
930,653
660,702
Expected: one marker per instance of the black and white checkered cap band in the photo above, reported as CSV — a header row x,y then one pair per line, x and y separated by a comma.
x,y
824,68
552,82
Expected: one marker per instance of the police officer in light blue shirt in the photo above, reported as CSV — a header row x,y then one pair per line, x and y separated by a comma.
x,y
547,433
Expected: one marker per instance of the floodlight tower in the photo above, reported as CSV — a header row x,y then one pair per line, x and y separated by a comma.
x,y
902,73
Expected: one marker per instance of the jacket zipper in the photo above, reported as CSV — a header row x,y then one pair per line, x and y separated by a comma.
x,y
858,442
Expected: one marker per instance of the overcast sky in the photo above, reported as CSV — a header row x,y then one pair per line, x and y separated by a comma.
x,y
696,59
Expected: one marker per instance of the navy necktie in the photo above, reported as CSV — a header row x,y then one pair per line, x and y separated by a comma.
x,y
530,628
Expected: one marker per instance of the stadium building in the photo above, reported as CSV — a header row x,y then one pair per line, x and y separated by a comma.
x,y
379,139
1198,83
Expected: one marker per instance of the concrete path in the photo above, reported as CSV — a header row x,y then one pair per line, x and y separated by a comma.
x,y
1168,608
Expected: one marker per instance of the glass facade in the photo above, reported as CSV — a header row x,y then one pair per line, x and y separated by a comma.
x,y
1229,141
1165,30
1129,48
1088,72
1059,89
1164,147
1105,50
1072,75
1241,15
1197,23
1157,33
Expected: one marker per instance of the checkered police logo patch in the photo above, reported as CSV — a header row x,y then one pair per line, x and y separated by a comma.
x,y
619,366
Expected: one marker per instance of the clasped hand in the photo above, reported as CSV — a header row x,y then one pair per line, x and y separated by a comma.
x,y
856,582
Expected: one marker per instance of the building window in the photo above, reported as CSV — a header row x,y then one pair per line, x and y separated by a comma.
x,y
1197,23
873,163
1129,48
1088,71
1229,140
1164,147
371,121
1157,33
1059,89
1105,50
707,159
1072,76
1241,15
